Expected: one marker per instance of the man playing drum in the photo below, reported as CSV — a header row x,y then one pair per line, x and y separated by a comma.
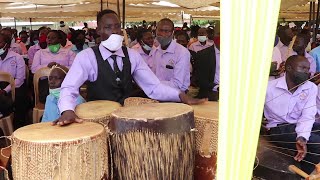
x,y
110,69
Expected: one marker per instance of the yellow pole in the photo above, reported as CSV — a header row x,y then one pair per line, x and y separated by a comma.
x,y
247,37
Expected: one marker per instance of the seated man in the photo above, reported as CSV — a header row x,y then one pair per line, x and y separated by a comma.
x,y
171,60
290,110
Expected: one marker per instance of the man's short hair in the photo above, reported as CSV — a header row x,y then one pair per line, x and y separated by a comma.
x,y
291,60
166,20
141,32
104,12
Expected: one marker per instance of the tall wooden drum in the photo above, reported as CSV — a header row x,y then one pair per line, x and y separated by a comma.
x,y
206,120
75,152
97,111
153,141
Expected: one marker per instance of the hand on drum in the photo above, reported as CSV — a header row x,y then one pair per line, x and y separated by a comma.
x,y
67,117
301,145
190,100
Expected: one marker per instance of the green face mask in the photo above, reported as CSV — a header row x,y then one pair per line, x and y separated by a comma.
x,y
55,92
54,48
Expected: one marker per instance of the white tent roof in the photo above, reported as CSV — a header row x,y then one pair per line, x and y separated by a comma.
x,y
136,10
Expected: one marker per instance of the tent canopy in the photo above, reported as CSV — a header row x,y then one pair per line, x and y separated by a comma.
x,y
136,10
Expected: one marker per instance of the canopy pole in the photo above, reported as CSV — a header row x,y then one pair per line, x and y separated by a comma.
x,y
101,5
314,16
182,12
123,13
310,12
118,8
317,24
30,23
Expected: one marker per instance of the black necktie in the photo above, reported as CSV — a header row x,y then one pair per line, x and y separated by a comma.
x,y
116,67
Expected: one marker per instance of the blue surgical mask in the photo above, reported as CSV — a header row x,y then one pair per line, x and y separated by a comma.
x,y
202,38
55,92
146,47
36,42
2,50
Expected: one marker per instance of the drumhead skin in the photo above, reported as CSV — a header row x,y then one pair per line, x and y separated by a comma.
x,y
96,109
47,133
153,111
157,117
208,110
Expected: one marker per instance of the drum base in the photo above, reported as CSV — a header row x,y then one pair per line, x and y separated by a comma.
x,y
273,165
205,167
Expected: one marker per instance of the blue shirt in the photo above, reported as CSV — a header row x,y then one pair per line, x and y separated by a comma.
x,y
315,53
51,110
76,51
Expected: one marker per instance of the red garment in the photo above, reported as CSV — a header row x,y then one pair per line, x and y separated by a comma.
x,y
42,38
216,41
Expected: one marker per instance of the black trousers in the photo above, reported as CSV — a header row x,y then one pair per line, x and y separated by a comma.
x,y
21,105
314,148
6,104
43,90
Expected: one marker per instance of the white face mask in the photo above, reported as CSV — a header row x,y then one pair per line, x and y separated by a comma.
x,y
113,43
2,50
202,38
146,47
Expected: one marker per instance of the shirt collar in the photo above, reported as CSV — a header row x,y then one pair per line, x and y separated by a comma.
x,y
140,50
170,49
207,44
10,55
282,84
106,53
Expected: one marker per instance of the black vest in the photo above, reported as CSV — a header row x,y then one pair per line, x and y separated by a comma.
x,y
204,66
106,87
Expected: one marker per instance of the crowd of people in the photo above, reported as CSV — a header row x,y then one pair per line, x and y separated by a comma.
x,y
160,61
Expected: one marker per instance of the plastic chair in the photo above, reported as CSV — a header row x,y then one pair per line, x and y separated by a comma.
x,y
38,107
6,122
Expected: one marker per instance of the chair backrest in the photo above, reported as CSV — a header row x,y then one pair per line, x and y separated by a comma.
x,y
43,72
6,77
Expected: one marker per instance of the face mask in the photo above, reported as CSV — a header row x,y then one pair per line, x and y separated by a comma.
x,y
54,48
300,77
164,41
2,50
202,38
55,92
113,43
146,47
35,41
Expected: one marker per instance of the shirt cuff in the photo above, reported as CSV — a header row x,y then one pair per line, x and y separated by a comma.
x,y
305,135
215,88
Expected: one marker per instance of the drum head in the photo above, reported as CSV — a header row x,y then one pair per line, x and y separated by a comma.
x,y
47,133
96,109
207,110
153,111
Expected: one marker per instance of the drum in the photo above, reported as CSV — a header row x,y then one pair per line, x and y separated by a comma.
x,y
206,121
97,111
153,141
77,151
135,101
